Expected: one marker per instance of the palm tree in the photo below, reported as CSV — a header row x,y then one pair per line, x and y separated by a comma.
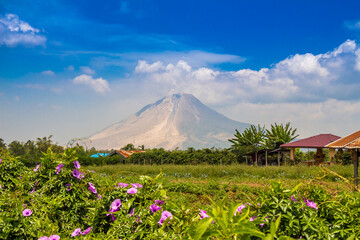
x,y
279,134
252,138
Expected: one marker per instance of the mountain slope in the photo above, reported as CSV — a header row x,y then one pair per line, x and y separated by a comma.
x,y
179,120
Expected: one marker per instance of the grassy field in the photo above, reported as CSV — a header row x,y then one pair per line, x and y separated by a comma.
x,y
191,184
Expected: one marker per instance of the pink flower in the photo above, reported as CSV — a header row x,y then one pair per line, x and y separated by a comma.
x,y
131,213
99,197
87,231
36,168
32,191
76,173
44,238
311,204
59,167
136,185
54,237
293,198
0,160
115,205
92,188
164,216
154,208
240,208
252,218
203,214
159,202
124,185
76,232
77,164
132,190
27,212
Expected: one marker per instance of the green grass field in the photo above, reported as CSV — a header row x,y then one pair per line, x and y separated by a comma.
x,y
191,183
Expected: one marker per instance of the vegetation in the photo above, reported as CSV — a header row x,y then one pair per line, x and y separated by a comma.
x,y
256,138
62,199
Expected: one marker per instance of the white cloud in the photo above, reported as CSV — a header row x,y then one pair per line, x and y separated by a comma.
x,y
14,32
144,67
87,70
99,85
331,116
48,72
298,78
194,58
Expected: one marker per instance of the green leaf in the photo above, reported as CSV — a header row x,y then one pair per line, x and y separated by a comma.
x,y
201,228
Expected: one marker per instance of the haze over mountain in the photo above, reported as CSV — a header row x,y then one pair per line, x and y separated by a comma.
x,y
179,120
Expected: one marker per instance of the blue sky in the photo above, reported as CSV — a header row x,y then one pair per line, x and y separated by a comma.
x,y
70,68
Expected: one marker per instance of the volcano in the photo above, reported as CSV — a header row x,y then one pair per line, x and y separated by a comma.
x,y
176,121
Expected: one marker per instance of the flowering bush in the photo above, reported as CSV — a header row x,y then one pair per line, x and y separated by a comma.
x,y
59,199
320,217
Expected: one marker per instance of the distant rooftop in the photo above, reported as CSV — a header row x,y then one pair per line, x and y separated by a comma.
x,y
317,141
350,141
124,153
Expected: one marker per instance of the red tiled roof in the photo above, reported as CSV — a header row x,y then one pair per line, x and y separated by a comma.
x,y
345,141
318,141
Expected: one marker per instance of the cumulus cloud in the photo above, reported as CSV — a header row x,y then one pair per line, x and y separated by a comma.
x,y
298,78
144,67
48,72
87,70
330,116
14,32
99,85
195,58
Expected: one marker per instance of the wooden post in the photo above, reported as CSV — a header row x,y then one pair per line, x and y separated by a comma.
x,y
246,160
279,158
332,155
354,155
266,158
256,159
292,154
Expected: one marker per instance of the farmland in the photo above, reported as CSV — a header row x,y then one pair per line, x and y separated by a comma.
x,y
60,198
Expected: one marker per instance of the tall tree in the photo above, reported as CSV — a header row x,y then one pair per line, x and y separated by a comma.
x,y
17,148
280,134
252,138
2,143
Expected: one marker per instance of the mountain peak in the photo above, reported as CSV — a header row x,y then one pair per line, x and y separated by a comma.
x,y
178,120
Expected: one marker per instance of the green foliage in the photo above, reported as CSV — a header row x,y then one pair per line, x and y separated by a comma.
x,y
30,152
327,219
279,134
12,171
2,143
58,210
187,157
252,138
